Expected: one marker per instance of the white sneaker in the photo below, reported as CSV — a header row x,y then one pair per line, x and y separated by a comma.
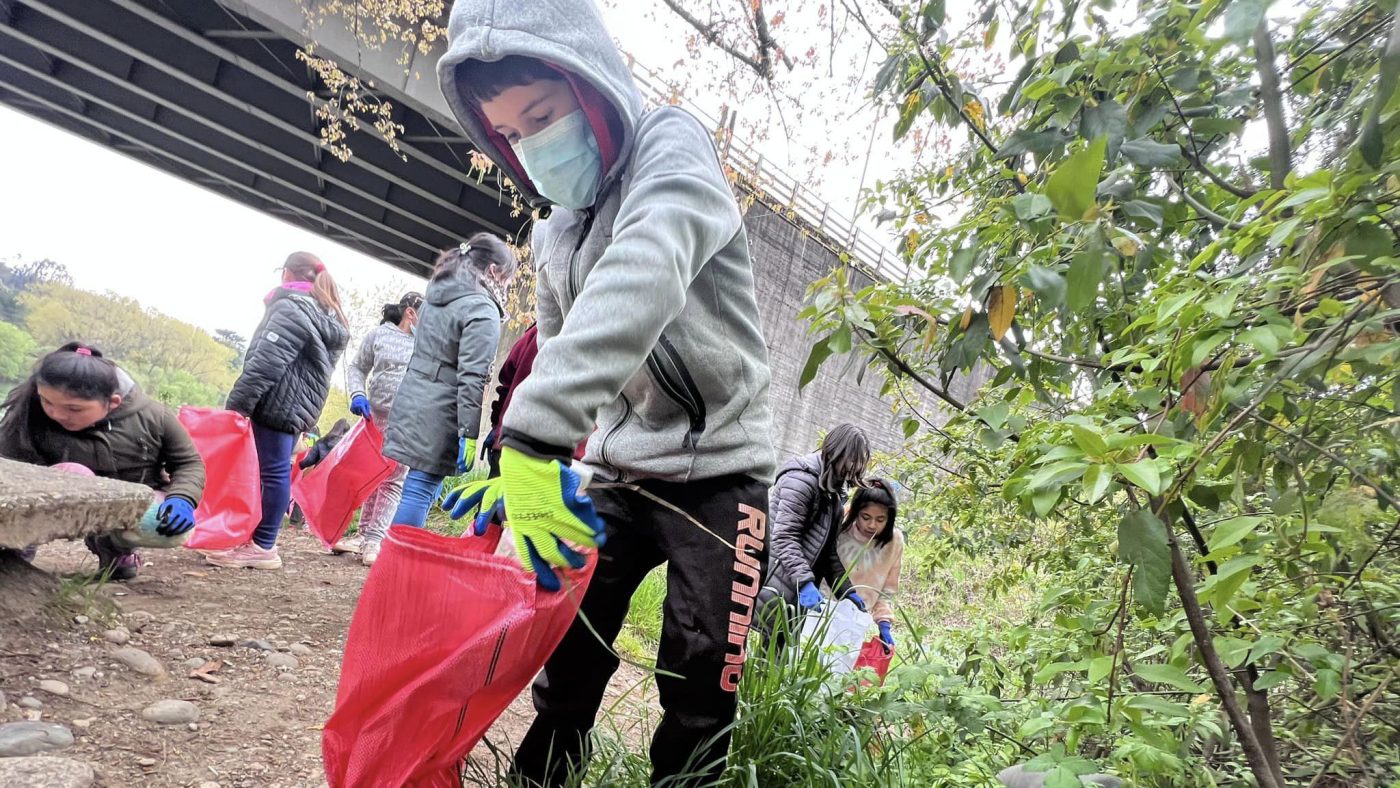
x,y
369,553
245,556
347,544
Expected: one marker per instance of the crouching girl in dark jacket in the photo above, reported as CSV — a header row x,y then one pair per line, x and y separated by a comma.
x,y
81,412
805,509
436,415
286,378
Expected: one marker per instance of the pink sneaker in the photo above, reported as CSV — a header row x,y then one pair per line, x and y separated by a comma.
x,y
246,555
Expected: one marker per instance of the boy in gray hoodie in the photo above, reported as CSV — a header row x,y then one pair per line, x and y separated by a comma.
x,y
648,328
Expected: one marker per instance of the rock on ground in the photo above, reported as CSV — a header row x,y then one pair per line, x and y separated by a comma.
x,y
139,661
171,712
280,660
28,738
29,702
119,636
54,687
45,773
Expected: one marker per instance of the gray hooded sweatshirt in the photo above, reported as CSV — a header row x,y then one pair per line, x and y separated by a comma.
x,y
648,322
379,367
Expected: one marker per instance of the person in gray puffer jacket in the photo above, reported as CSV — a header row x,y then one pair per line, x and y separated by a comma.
x,y
436,415
805,507
286,378
374,376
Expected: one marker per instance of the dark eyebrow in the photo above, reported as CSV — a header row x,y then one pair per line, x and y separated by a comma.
x,y
531,106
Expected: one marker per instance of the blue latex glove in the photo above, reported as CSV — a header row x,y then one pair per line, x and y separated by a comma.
x,y
886,637
856,600
359,405
466,455
809,597
176,516
541,502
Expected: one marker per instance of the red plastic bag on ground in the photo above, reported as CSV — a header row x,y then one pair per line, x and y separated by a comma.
x,y
445,636
232,503
330,493
874,656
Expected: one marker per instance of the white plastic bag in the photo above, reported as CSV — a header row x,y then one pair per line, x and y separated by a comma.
x,y
839,631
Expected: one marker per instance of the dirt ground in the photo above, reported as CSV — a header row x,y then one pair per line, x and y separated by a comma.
x,y
260,725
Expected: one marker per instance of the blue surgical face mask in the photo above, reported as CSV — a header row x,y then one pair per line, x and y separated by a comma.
x,y
563,161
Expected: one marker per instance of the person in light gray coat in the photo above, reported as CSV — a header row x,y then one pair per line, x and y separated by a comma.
x,y
374,375
436,415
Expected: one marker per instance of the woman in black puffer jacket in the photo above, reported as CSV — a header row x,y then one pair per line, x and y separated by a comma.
x,y
286,378
805,508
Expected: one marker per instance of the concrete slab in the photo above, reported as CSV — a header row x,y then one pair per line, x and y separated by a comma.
x,y
39,505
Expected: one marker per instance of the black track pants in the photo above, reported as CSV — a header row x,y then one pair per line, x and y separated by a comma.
x,y
711,582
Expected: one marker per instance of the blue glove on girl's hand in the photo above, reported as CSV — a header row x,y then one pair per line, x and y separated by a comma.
x,y
466,455
176,516
809,597
856,600
359,405
886,637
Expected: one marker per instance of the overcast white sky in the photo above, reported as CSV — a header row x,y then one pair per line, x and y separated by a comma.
x,y
120,225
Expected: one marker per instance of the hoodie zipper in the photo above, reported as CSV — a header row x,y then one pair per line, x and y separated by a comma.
x,y
612,433
574,286
666,366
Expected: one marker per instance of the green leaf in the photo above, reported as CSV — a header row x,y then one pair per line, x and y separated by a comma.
x,y
1096,481
961,264
1025,141
1099,668
1263,339
1060,777
1271,679
1054,669
911,426
1047,284
1242,17
1142,542
1269,644
1071,187
1031,206
1232,651
840,340
1144,474
1090,441
1108,119
1085,273
1222,586
1328,684
1231,531
1149,153
1170,675
820,352
1043,501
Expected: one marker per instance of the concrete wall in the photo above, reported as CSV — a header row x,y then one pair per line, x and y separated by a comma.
x,y
786,262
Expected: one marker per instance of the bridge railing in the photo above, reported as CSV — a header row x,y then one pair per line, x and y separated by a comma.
x,y
786,195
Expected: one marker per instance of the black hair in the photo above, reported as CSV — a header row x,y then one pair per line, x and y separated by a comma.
x,y
77,370
845,453
481,81
393,313
880,493
481,253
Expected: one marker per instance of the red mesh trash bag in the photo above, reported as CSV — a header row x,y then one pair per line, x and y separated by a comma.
x,y
330,493
232,503
445,636
874,656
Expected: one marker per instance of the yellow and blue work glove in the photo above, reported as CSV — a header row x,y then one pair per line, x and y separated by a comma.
x,y
540,500
466,455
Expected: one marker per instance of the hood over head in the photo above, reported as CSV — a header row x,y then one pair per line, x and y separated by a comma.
x,y
568,35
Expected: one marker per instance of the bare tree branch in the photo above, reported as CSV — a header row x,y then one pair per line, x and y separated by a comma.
x,y
1280,151
760,63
